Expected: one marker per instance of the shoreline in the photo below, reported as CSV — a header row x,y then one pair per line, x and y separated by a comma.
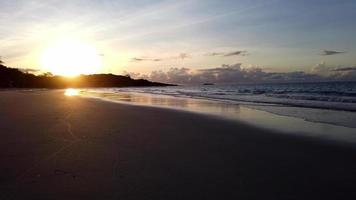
x,y
226,96
256,115
59,147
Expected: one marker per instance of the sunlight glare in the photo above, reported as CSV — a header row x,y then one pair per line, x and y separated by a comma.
x,y
71,92
69,57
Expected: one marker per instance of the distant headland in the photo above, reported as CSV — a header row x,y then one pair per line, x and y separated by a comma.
x,y
15,78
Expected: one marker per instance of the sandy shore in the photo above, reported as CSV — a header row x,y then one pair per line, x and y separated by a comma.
x,y
58,147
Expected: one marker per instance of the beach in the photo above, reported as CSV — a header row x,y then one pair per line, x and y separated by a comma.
x,y
68,147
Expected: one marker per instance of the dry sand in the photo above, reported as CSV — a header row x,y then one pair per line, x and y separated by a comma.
x,y
58,147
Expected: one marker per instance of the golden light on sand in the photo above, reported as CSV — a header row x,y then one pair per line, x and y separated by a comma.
x,y
71,92
69,57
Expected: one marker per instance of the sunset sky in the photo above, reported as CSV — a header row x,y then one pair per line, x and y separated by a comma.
x,y
144,35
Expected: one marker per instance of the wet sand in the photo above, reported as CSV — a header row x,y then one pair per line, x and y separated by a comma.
x,y
58,147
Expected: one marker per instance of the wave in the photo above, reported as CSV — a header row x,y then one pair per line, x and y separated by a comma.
x,y
323,95
332,109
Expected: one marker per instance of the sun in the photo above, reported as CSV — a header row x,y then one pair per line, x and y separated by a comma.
x,y
69,57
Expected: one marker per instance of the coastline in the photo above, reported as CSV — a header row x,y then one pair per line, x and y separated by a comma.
x,y
265,116
62,147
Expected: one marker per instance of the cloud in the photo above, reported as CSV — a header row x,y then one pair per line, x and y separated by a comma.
x,y
135,75
29,70
336,73
135,59
342,69
330,52
214,54
320,68
158,76
176,75
227,54
236,73
183,56
323,68
236,53
142,59
227,74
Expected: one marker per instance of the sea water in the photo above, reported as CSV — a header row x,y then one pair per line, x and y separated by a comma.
x,y
318,108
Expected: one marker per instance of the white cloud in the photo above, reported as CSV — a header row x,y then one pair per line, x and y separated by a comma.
x,y
237,74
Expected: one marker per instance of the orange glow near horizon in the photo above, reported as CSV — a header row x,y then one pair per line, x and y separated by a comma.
x,y
69,57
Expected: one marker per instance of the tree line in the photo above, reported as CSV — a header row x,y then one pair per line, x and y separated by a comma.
x,y
15,78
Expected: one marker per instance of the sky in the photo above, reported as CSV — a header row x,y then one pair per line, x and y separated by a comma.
x,y
150,37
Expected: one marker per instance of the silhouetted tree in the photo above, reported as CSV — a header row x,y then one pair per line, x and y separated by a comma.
x,y
14,78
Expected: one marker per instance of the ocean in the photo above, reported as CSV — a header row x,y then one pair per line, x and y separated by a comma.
x,y
331,95
331,103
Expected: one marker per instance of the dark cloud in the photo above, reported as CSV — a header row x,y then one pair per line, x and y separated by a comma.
x,y
215,54
135,59
227,54
330,52
142,59
341,69
338,73
236,53
238,74
183,56
326,70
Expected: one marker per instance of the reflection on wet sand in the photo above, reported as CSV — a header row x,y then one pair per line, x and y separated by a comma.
x,y
232,111
71,92
196,105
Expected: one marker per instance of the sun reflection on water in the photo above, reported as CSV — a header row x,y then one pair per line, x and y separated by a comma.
x,y
71,92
